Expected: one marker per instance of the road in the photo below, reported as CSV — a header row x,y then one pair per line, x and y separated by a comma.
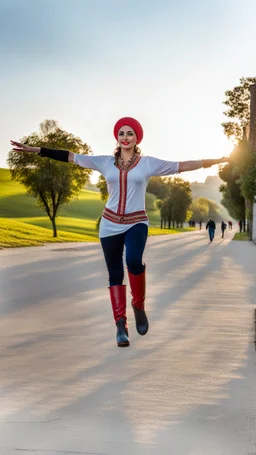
x,y
187,388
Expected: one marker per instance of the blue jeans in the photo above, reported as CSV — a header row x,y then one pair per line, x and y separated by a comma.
x,y
134,241
211,233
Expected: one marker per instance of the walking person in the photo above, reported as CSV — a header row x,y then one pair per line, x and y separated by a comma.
x,y
211,226
124,222
223,228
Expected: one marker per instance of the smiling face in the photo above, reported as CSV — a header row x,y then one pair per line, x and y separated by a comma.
x,y
127,138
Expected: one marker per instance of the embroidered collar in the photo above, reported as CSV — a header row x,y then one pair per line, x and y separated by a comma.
x,y
125,167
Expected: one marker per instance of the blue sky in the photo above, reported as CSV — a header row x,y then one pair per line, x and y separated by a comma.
x,y
88,63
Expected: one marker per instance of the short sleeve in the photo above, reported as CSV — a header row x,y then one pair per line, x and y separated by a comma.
x,y
159,167
97,163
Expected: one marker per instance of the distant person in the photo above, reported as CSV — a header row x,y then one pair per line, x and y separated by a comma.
x,y
124,222
223,228
240,224
211,226
230,224
200,225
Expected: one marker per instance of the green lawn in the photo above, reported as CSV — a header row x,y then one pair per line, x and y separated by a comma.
x,y
241,236
16,234
81,226
23,223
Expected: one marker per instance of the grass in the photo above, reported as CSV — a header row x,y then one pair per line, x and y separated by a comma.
x,y
159,231
23,223
241,236
17,234
74,225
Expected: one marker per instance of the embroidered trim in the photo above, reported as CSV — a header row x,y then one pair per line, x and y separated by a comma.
x,y
128,218
123,186
123,192
131,163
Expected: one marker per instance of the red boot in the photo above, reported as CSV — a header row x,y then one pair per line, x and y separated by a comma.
x,y
138,291
118,300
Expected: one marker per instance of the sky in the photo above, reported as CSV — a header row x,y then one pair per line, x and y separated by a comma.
x,y
87,63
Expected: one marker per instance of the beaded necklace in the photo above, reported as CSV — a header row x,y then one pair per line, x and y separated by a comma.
x,y
125,167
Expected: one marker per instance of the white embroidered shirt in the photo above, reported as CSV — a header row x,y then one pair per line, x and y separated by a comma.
x,y
126,188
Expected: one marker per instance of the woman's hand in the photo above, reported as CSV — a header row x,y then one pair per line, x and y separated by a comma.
x,y
19,147
209,163
224,159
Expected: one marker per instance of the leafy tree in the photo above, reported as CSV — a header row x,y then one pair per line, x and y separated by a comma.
x,y
102,185
214,209
232,197
52,183
203,208
157,186
150,202
244,167
238,102
174,207
199,210
240,174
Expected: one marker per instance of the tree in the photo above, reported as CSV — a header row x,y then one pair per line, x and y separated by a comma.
x,y
174,207
157,186
150,202
203,208
238,101
52,183
199,210
239,174
232,197
214,209
102,185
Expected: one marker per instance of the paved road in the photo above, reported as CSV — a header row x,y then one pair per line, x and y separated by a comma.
x,y
187,388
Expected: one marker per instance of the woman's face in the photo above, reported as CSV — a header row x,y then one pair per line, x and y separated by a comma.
x,y
127,137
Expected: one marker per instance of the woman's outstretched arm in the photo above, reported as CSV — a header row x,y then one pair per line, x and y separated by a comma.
x,y
60,155
185,166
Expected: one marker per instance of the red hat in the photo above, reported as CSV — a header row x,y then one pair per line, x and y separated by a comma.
x,y
134,124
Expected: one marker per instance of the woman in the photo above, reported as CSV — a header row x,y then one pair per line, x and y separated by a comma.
x,y
124,221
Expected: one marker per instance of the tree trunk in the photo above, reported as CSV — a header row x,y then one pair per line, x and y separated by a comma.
x,y
54,227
